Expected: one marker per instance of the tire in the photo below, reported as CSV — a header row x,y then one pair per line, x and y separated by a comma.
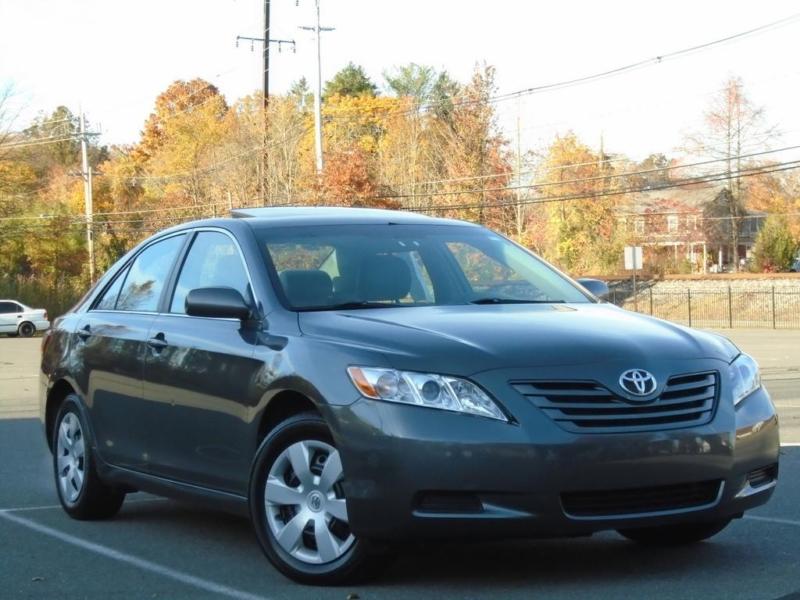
x,y
303,533
675,535
82,493
26,329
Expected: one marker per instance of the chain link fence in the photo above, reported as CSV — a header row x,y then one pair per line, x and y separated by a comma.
x,y
774,308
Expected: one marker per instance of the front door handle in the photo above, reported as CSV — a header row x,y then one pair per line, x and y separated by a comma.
x,y
158,342
85,332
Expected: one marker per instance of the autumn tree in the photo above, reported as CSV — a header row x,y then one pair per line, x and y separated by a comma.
x,y
180,141
584,230
473,152
733,126
180,98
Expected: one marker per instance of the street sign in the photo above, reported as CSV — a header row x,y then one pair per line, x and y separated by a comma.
x,y
633,258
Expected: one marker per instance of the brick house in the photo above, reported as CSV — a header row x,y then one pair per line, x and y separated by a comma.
x,y
687,227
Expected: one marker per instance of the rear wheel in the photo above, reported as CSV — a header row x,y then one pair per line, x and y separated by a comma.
x,y
26,329
298,506
674,535
81,491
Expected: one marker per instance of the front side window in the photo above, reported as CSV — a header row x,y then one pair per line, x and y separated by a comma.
x,y
213,261
372,266
148,274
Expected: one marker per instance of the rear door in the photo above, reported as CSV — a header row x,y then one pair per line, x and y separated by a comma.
x,y
204,369
110,346
8,317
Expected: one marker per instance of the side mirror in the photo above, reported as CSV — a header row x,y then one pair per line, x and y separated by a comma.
x,y
220,302
595,286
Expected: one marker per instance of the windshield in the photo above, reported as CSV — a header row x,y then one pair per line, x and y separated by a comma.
x,y
325,267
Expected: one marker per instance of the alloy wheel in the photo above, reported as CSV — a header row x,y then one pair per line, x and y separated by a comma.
x,y
305,505
71,458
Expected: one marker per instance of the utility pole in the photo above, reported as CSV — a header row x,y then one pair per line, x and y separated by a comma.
x,y
520,209
266,58
87,194
266,41
317,29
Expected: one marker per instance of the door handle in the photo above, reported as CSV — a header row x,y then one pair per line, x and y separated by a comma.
x,y
85,333
158,342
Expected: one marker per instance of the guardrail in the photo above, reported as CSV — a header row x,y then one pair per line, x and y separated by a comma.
x,y
775,307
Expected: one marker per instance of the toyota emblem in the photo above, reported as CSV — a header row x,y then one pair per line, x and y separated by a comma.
x,y
638,382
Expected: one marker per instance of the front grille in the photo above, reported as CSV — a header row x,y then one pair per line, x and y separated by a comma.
x,y
610,503
590,407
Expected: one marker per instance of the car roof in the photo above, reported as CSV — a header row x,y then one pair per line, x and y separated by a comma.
x,y
332,215
268,217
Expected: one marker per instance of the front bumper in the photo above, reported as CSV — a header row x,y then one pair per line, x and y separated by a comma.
x,y
397,458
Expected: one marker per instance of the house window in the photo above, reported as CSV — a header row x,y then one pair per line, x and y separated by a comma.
x,y
638,226
672,223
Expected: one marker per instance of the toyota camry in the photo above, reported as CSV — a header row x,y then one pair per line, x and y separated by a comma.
x,y
352,378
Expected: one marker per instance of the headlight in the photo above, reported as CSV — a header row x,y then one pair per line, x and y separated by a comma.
x,y
425,389
745,378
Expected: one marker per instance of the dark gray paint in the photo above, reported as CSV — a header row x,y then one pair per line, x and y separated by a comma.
x,y
172,443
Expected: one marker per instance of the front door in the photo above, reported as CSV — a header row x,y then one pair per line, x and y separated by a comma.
x,y
205,370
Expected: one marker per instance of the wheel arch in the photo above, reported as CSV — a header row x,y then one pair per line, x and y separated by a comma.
x,y
284,404
55,397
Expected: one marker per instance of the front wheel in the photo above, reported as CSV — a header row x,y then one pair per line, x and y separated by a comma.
x,y
675,535
298,505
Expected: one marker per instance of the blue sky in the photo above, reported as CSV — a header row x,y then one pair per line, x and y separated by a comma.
x,y
114,57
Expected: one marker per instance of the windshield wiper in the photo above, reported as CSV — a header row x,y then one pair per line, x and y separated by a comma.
x,y
350,306
495,300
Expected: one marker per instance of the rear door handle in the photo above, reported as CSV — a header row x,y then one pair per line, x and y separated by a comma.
x,y
85,333
157,342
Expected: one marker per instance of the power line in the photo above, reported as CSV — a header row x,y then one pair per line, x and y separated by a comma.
x,y
713,177
14,145
656,60
583,179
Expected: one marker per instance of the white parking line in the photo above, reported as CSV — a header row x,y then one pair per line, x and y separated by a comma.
x,y
146,565
773,520
790,444
54,506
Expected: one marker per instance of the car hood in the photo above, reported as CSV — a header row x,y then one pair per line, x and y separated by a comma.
x,y
464,340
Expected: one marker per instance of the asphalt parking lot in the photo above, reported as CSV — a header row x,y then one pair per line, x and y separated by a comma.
x,y
163,549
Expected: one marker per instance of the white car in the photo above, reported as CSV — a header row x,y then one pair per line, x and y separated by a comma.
x,y
18,319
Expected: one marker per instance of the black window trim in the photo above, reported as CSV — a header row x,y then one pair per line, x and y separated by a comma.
x,y
125,269
172,279
13,304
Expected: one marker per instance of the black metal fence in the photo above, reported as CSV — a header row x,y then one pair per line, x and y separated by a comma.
x,y
775,307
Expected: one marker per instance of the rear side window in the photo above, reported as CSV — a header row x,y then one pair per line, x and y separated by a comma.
x,y
148,274
108,301
212,261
